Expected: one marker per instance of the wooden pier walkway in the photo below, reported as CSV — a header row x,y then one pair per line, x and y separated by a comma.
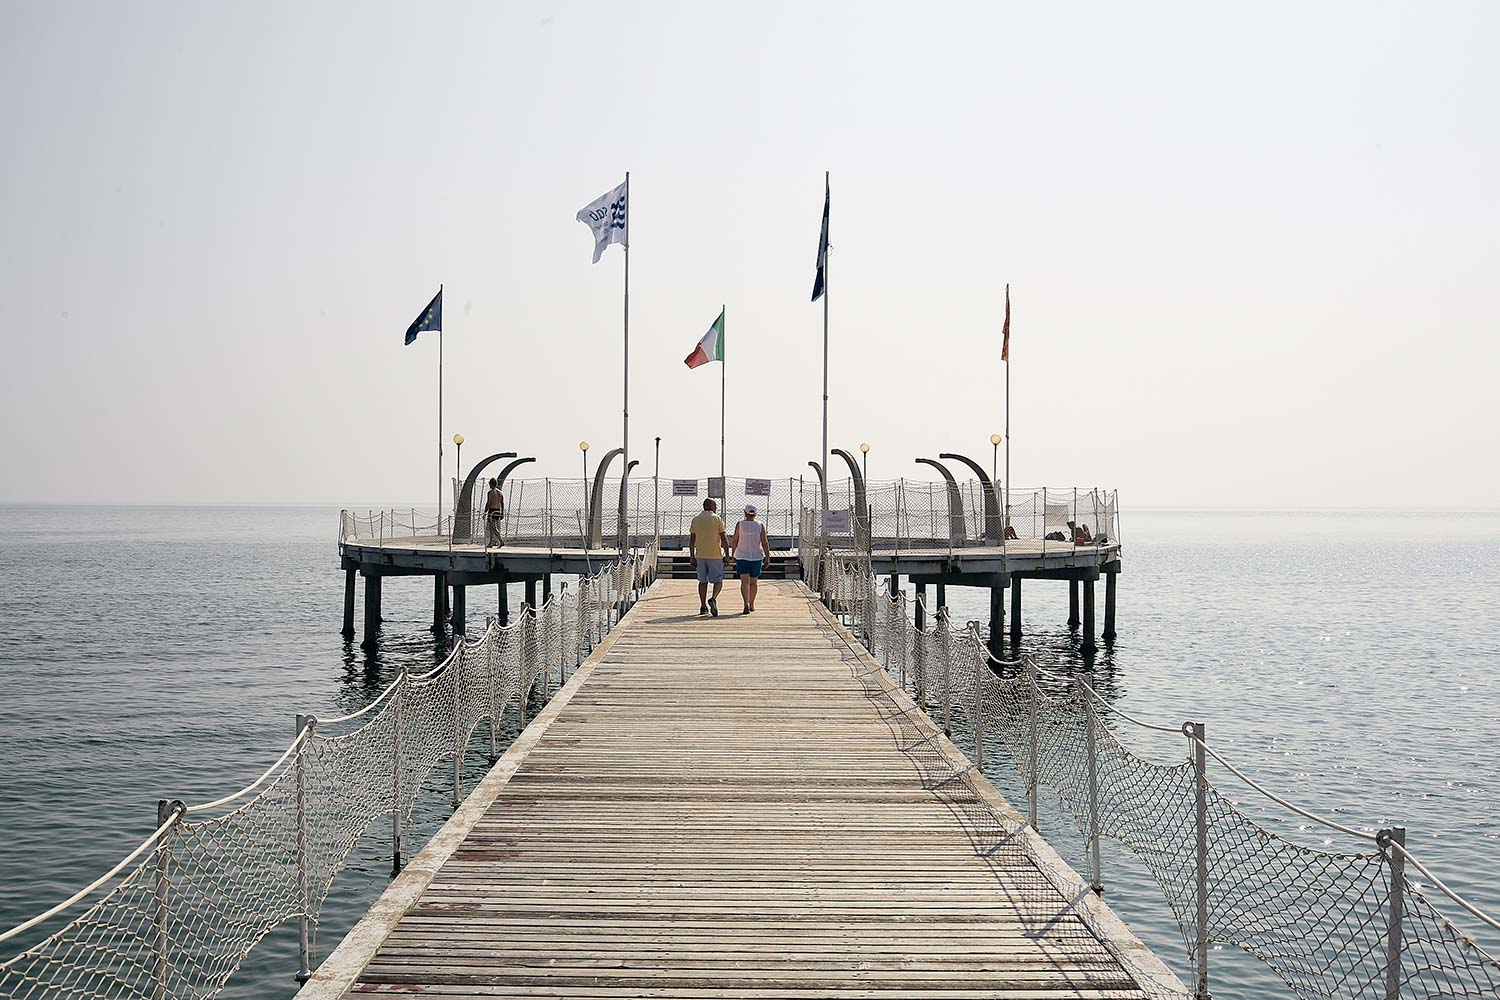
x,y
715,808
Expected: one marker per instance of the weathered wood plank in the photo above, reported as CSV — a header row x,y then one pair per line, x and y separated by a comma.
x,y
718,811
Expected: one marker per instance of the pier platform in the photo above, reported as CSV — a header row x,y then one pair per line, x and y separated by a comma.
x,y
717,807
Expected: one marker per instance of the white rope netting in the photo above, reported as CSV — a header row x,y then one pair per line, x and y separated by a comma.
x,y
1330,924
182,911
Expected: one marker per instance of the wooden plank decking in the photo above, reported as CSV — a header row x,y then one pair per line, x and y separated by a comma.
x,y
714,808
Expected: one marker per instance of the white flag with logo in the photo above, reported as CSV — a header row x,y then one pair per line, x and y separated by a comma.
x,y
605,215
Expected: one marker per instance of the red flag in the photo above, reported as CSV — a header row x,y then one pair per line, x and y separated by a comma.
x,y
1005,345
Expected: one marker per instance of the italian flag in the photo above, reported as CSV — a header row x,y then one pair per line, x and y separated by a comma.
x,y
711,347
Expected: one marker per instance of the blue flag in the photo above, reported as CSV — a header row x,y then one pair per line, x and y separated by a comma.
x,y
818,281
431,318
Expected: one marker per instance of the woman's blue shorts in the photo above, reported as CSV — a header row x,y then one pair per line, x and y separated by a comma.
x,y
748,567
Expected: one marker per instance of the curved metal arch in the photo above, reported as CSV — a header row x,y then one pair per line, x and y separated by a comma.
x,y
596,496
822,482
992,529
463,530
958,528
861,505
509,468
625,483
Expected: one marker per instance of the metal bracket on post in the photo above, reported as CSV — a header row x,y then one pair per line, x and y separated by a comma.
x,y
1028,671
1194,732
307,724
1092,751
167,810
397,714
1392,845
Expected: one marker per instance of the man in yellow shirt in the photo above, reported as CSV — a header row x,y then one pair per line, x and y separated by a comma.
x,y
708,547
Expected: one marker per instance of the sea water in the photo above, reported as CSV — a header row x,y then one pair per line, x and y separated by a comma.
x,y
1347,660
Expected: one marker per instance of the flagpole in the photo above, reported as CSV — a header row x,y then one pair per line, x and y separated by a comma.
x,y
625,409
723,379
440,422
1005,493
825,349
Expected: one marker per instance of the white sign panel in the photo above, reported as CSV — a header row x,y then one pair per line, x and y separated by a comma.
x,y
716,486
835,522
684,487
758,487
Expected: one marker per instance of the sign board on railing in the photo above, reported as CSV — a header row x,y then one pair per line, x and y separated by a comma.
x,y
835,522
684,487
757,487
716,486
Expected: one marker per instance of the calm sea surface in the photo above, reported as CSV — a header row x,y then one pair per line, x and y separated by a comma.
x,y
1349,660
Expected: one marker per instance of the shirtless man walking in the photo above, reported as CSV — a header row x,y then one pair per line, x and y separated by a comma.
x,y
708,547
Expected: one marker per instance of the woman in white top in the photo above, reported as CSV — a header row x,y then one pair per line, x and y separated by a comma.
x,y
751,550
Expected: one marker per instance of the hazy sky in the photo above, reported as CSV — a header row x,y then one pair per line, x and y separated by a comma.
x,y
1253,250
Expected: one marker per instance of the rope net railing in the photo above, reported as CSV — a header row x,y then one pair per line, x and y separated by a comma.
x,y
895,515
180,913
1367,921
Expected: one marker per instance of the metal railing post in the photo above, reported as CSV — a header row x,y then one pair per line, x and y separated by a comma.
x,y
489,644
562,634
525,689
166,810
1194,732
1395,862
397,712
305,723
1092,751
459,743
945,644
976,721
1028,670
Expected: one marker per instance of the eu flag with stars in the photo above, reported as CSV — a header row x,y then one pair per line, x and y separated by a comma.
x,y
431,318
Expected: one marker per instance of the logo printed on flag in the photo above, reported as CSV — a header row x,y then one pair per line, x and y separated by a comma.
x,y
431,318
710,347
607,216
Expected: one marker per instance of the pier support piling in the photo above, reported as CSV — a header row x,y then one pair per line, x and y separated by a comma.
x,y
997,621
920,615
1015,607
942,596
348,629
439,600
531,594
1088,617
1109,607
459,600
502,604
1072,604
546,587
372,610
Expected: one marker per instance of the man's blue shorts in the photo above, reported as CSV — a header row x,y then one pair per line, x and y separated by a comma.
x,y
710,571
748,567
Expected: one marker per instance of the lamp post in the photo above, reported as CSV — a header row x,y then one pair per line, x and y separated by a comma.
x,y
864,451
583,446
994,459
656,492
458,473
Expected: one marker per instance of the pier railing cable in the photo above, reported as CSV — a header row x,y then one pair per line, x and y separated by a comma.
x,y
1350,923
177,916
898,515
